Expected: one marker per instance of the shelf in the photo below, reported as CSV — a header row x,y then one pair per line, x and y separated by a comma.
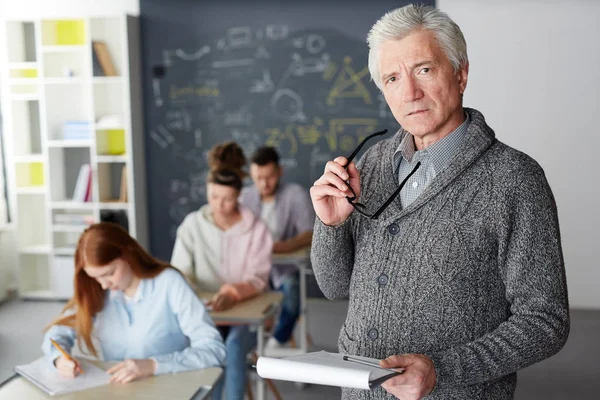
x,y
7,227
69,228
64,81
29,158
107,79
23,81
31,190
116,205
40,249
25,97
23,65
64,49
99,127
70,143
37,295
111,159
64,251
71,205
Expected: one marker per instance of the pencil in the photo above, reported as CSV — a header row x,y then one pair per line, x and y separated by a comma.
x,y
65,354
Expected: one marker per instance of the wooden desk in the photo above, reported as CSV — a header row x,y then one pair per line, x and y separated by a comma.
x,y
183,385
301,259
254,312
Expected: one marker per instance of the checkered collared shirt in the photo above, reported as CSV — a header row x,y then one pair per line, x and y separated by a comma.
x,y
433,160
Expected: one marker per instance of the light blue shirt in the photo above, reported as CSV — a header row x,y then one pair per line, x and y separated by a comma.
x,y
164,321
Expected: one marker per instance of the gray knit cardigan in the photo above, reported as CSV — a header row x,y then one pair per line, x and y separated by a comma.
x,y
471,274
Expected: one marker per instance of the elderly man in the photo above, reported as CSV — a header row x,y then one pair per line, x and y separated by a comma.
x,y
460,279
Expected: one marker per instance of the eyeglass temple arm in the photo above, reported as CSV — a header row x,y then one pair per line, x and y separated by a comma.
x,y
393,196
360,146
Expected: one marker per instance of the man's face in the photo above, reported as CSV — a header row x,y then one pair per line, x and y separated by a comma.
x,y
266,178
420,86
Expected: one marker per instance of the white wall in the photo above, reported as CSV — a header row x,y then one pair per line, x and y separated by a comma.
x,y
534,73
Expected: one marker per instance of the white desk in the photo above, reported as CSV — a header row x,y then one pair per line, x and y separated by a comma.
x,y
195,385
254,312
300,258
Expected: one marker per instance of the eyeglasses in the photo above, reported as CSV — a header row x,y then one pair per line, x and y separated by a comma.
x,y
361,208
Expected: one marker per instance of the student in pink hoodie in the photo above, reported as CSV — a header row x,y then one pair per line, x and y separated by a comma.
x,y
224,248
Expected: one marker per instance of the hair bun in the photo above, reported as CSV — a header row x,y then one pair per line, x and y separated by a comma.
x,y
227,156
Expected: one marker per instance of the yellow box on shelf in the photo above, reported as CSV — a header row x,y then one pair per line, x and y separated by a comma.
x,y
64,32
30,174
23,73
111,141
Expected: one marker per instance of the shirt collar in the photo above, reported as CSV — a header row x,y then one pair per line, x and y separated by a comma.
x,y
440,153
142,292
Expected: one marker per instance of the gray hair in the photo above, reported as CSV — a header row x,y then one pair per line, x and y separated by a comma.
x,y
401,22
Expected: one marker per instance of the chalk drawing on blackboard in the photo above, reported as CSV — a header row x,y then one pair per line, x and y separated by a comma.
x,y
315,43
165,134
198,137
158,101
241,116
288,162
277,32
169,54
349,84
263,85
384,110
288,105
158,140
262,53
240,36
316,162
301,66
179,120
243,62
355,128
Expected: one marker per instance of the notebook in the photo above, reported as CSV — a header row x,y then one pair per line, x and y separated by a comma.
x,y
43,375
324,368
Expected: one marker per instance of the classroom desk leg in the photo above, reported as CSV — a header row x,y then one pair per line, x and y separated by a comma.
x,y
260,383
303,330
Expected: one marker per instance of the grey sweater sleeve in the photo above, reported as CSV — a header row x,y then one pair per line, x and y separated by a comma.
x,y
332,258
531,265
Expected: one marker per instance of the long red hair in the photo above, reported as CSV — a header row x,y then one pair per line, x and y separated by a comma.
x,y
99,245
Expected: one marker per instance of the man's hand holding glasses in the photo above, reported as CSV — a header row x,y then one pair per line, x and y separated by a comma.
x,y
335,194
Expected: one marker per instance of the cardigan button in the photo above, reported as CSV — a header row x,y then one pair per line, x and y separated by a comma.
x,y
382,279
373,334
393,229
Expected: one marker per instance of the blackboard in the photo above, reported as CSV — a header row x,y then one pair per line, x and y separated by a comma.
x,y
258,72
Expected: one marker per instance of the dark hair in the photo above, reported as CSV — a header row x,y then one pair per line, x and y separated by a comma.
x,y
265,155
226,161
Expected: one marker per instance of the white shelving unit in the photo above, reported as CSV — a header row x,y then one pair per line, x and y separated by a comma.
x,y
48,75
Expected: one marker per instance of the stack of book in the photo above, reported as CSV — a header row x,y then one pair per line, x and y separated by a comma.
x,y
77,130
83,187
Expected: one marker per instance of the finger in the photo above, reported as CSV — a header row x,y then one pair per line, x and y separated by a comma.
x,y
118,375
78,369
321,192
128,378
395,361
336,168
354,179
115,368
329,178
341,160
66,371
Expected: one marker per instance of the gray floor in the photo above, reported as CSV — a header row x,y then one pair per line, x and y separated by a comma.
x,y
574,373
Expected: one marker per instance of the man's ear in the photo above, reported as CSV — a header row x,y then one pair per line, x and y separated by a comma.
x,y
463,77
